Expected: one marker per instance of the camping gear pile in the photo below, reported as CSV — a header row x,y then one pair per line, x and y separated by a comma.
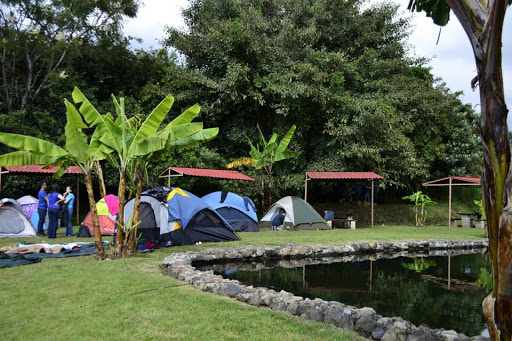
x,y
27,253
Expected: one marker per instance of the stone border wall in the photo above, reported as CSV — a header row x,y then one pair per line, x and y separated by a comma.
x,y
365,321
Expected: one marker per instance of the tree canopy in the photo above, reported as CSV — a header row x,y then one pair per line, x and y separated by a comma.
x,y
342,71
339,70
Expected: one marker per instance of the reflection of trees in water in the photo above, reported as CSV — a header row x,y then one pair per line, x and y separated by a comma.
x,y
392,289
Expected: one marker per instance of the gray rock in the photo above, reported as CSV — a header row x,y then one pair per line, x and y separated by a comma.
x,y
255,300
422,334
366,320
398,332
338,318
231,289
378,333
292,308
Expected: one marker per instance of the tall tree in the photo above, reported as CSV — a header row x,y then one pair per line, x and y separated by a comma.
x,y
338,68
482,22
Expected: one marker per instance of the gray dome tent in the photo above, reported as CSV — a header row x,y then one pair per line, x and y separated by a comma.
x,y
13,221
299,215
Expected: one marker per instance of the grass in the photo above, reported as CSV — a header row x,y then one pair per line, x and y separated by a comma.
x,y
83,299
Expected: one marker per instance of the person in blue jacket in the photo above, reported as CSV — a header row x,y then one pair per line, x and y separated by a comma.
x,y
54,200
42,208
277,222
69,200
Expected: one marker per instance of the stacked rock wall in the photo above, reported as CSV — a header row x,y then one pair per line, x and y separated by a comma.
x,y
365,321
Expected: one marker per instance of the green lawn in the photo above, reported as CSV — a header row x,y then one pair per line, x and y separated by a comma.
x,y
84,299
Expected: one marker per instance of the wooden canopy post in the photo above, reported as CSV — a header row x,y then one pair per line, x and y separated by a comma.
x,y
2,171
306,188
372,199
77,200
169,177
450,202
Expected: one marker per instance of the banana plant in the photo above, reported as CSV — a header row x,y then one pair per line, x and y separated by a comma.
x,y
78,151
134,145
264,154
420,201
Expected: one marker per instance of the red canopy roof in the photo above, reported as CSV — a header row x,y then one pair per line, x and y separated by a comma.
x,y
343,176
208,173
456,180
40,170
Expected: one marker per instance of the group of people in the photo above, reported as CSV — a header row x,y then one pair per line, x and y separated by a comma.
x,y
55,204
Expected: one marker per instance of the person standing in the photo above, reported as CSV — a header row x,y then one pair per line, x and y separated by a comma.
x,y
42,208
54,200
69,200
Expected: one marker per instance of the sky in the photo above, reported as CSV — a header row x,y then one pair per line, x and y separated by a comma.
x,y
451,58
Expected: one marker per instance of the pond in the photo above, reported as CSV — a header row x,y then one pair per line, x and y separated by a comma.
x,y
439,291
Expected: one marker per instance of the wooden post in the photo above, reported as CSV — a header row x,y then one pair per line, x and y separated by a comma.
x,y
372,199
2,171
77,200
169,177
306,188
450,202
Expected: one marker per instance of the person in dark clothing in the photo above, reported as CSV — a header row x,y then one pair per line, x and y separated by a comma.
x,y
42,208
277,222
54,200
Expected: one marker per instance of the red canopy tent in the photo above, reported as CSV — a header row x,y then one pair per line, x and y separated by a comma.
x,y
40,170
452,181
342,176
203,172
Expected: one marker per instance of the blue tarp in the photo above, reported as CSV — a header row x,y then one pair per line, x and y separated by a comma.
x,y
229,199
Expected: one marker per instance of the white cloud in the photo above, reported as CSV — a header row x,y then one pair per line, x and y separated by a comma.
x,y
153,16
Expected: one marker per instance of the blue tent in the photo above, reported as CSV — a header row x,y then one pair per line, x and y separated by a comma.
x,y
238,211
196,220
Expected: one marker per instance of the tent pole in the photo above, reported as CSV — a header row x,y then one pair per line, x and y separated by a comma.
x,y
372,200
0,182
77,200
306,189
450,202
169,177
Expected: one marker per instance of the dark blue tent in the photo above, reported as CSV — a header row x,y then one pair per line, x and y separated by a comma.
x,y
238,211
197,221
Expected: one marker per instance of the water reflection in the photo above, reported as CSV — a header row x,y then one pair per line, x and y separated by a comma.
x,y
440,292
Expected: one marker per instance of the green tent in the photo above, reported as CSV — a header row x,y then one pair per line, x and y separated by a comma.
x,y
299,215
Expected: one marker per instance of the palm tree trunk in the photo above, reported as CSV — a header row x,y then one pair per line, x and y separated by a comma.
x,y
99,172
100,251
263,207
120,237
270,186
132,239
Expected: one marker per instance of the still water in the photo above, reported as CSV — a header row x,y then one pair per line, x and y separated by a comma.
x,y
440,292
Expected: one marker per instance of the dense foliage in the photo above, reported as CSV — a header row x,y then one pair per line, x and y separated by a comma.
x,y
339,70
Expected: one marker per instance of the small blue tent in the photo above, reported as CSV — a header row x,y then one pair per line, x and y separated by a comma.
x,y
238,211
195,220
